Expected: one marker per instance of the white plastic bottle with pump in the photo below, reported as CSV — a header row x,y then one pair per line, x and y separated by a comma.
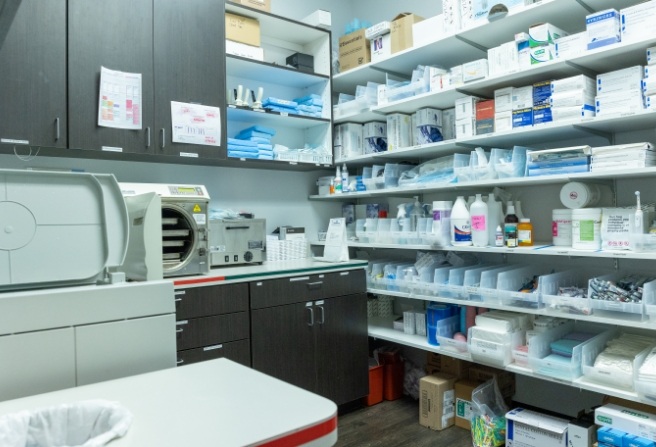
x,y
460,223
479,222
345,179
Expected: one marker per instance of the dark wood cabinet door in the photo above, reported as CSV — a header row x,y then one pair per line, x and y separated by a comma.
x,y
189,67
118,35
198,332
33,75
283,344
342,347
193,302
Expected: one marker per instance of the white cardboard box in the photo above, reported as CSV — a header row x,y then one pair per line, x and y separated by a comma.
x,y
528,428
631,421
347,140
542,54
399,132
572,113
243,50
619,103
465,128
319,18
573,83
544,34
503,59
571,46
602,28
474,70
637,21
449,123
522,97
503,121
581,434
624,79
381,47
427,31
378,30
572,98
651,56
466,107
451,16
503,100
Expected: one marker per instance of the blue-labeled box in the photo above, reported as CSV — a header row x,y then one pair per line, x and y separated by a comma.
x,y
637,441
542,114
611,436
522,117
541,93
603,28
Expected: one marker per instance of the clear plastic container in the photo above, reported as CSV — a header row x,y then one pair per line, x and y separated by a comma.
x,y
444,327
543,362
487,289
511,163
553,286
448,344
510,283
493,348
611,301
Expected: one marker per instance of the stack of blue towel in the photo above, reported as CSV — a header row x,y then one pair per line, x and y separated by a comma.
x,y
280,105
311,105
253,142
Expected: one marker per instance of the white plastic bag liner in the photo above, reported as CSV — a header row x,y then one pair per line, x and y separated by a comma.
x,y
90,423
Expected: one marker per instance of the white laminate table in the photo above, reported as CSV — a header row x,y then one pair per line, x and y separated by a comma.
x,y
212,403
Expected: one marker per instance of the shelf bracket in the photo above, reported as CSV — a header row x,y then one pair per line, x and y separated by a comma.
x,y
607,135
582,69
473,44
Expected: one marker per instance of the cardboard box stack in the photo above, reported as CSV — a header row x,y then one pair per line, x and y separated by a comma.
x,y
522,106
620,91
542,42
572,98
466,116
503,109
243,36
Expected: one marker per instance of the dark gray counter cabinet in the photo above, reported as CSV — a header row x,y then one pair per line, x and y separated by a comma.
x,y
308,330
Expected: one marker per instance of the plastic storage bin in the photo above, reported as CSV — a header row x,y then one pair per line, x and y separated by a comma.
x,y
492,347
510,284
543,362
437,171
511,163
487,289
553,287
612,375
444,327
607,294
448,344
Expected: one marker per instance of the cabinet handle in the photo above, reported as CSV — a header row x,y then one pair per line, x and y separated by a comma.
x,y
163,132
323,315
148,136
311,323
179,293
315,285
343,273
179,330
57,131
179,362
300,278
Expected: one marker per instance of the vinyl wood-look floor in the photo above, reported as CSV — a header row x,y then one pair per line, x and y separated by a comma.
x,y
394,423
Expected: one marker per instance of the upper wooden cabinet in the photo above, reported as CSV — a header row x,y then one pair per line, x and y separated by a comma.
x,y
175,46
33,74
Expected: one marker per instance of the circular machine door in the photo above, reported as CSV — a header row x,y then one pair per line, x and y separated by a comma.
x,y
179,238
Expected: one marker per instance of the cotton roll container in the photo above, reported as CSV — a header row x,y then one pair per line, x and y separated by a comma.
x,y
561,227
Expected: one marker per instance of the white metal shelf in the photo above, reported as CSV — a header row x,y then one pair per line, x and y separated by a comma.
x,y
469,186
245,68
422,151
443,99
248,115
381,328
362,116
539,249
280,28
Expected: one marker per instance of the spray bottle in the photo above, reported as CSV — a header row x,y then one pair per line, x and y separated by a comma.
x,y
338,181
638,220
345,179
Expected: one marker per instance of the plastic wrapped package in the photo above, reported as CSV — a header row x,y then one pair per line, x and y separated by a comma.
x,y
488,422
439,170
90,423
512,163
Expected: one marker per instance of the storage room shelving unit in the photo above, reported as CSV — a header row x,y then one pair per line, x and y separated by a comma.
x,y
282,37
471,44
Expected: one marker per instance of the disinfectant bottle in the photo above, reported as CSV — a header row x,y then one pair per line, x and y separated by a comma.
x,y
479,222
338,181
345,179
495,216
460,223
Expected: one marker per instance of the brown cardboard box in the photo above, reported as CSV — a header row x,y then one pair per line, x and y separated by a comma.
x,y
463,389
402,31
354,50
455,367
242,29
433,360
436,401
505,379
264,5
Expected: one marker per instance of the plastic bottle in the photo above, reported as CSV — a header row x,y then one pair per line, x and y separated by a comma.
x,y
460,223
345,179
498,237
338,181
510,227
479,222
525,233
442,221
495,217
416,214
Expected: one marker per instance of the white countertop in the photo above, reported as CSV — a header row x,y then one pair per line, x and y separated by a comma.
x,y
267,270
212,403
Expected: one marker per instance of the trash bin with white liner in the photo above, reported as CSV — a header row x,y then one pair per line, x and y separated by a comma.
x,y
89,423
